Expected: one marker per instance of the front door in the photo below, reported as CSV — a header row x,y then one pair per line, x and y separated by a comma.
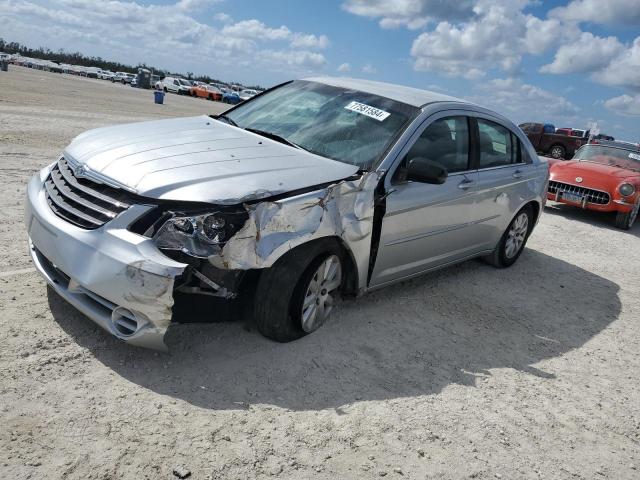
x,y
428,225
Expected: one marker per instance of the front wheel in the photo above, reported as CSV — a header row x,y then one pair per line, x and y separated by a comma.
x,y
297,294
625,220
513,240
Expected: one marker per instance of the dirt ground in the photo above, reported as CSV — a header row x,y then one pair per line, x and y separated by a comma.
x,y
471,372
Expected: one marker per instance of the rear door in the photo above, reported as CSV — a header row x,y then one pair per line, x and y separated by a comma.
x,y
503,177
427,225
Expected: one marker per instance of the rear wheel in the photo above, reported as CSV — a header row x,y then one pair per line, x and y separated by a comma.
x,y
626,220
513,240
557,152
297,294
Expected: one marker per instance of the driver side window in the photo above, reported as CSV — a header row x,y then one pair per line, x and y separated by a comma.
x,y
445,141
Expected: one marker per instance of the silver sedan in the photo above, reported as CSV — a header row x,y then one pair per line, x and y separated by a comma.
x,y
318,188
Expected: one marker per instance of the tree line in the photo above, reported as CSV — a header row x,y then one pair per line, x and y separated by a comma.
x,y
78,58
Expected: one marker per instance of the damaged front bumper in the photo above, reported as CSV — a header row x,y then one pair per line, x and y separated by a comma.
x,y
117,278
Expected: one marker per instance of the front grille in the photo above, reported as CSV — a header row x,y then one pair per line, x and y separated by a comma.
x,y
591,196
82,202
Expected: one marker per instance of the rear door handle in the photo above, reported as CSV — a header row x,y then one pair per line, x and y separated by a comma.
x,y
517,174
466,184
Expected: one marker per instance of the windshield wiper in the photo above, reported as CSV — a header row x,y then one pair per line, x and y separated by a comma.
x,y
274,136
227,120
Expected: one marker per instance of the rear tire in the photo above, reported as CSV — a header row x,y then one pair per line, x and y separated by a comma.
x,y
513,240
558,152
285,291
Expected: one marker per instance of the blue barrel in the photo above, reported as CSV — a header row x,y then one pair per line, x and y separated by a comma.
x,y
159,96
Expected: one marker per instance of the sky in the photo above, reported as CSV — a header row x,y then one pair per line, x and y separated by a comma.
x,y
573,63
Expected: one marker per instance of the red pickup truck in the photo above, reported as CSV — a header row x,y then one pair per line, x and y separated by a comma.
x,y
555,145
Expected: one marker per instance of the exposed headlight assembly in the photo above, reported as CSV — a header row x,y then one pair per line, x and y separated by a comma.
x,y
626,189
198,235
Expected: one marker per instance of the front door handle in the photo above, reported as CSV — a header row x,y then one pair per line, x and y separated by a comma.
x,y
466,184
517,174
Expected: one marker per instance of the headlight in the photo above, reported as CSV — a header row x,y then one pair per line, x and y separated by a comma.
x,y
626,189
198,235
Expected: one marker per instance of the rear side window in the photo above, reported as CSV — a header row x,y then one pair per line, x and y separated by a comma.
x,y
498,146
445,141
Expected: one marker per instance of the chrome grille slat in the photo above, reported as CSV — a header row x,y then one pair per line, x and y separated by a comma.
x,y
82,202
593,196
67,192
66,172
59,201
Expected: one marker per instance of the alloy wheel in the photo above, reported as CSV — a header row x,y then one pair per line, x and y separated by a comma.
x,y
516,235
319,298
556,152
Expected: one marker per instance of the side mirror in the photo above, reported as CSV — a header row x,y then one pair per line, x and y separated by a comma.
x,y
422,170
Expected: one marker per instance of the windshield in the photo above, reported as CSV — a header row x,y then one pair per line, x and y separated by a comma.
x,y
184,82
346,125
617,157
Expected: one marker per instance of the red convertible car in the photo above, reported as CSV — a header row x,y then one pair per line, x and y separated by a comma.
x,y
599,177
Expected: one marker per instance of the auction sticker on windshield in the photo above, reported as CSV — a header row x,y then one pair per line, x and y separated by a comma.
x,y
634,156
368,110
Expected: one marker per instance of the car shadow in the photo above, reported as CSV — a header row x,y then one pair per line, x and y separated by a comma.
x,y
414,338
606,220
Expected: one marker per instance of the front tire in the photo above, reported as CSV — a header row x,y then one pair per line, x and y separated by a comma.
x,y
513,240
625,220
297,294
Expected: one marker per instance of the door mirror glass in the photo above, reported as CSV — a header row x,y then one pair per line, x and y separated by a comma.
x,y
423,170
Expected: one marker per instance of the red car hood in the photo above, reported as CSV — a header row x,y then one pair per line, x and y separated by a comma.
x,y
592,174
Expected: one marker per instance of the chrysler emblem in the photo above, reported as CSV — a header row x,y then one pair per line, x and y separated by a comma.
x,y
579,179
80,171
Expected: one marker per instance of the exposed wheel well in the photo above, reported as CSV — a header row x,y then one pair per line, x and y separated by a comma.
x,y
535,210
350,270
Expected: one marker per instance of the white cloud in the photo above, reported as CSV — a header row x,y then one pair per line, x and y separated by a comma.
x,y
255,29
600,11
524,102
167,36
223,17
624,105
587,54
301,40
195,5
497,38
369,69
410,13
623,70
344,68
294,58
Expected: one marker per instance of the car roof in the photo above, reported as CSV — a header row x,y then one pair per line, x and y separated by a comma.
x,y
408,95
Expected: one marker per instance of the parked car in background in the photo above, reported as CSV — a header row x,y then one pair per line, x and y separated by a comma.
x,y
577,132
106,75
315,189
93,72
123,77
177,85
230,96
603,178
247,94
555,145
207,91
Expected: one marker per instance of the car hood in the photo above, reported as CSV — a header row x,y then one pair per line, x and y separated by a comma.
x,y
198,159
590,172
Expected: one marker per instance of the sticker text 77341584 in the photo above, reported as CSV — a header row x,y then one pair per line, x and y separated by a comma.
x,y
368,110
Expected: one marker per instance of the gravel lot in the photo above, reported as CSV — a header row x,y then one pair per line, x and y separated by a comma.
x,y
471,372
